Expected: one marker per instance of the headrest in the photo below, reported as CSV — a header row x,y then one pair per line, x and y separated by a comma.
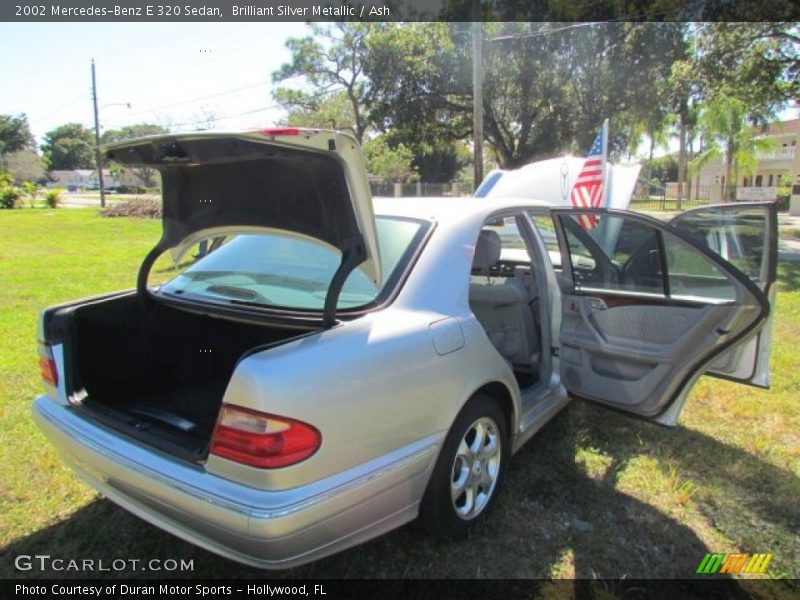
x,y
487,252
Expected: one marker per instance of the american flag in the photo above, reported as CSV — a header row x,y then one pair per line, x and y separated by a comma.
x,y
589,187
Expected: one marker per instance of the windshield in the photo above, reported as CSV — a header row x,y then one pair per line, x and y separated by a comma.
x,y
280,269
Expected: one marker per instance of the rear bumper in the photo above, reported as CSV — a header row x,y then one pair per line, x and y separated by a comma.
x,y
266,529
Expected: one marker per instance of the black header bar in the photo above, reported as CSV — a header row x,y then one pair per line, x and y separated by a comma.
x,y
395,10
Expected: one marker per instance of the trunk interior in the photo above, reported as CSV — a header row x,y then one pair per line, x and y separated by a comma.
x,y
158,374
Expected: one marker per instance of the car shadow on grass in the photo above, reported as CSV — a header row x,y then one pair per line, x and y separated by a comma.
x,y
558,515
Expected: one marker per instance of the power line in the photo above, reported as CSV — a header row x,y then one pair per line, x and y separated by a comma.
x,y
224,46
63,107
542,33
225,118
625,18
252,111
199,98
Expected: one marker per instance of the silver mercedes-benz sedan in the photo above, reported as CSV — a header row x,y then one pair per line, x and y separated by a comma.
x,y
310,369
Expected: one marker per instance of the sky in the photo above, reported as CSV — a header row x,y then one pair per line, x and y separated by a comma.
x,y
171,74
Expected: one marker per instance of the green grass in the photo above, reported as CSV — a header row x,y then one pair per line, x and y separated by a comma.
x,y
595,494
790,234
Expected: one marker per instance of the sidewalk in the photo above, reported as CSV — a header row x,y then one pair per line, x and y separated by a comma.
x,y
788,238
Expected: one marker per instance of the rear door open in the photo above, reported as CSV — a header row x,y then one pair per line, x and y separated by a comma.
x,y
647,312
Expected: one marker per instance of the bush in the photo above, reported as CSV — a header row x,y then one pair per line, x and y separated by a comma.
x,y
784,192
9,196
131,189
144,208
52,197
31,190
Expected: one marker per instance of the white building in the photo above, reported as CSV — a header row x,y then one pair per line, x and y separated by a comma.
x,y
783,159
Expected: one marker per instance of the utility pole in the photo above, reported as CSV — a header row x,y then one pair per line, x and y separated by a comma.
x,y
477,92
97,158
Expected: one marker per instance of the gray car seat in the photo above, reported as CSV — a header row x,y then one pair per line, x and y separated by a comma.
x,y
503,306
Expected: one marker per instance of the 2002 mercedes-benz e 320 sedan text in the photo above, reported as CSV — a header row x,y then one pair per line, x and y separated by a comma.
x,y
323,371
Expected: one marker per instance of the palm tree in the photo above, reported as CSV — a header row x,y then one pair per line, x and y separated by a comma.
x,y
723,123
657,129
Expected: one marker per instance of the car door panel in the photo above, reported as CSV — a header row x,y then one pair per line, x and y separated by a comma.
x,y
625,344
629,352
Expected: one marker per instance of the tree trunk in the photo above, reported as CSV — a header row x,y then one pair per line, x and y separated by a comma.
x,y
649,171
697,176
681,159
727,194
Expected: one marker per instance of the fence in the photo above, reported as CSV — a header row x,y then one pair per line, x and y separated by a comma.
x,y
420,188
665,198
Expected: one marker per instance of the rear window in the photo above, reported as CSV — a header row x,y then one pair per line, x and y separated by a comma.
x,y
284,270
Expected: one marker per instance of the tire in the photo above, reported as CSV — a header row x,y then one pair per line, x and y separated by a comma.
x,y
462,490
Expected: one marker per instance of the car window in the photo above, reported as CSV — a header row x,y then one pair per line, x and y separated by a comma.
x,y
692,276
285,270
618,253
737,234
547,230
613,253
580,255
513,247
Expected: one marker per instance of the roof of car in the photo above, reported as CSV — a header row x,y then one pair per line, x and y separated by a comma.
x,y
447,208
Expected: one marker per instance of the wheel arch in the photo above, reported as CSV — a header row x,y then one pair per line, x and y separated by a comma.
x,y
502,395
499,397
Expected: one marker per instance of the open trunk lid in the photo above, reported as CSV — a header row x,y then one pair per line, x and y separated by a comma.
x,y
309,182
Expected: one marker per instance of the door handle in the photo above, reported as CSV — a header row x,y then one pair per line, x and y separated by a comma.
x,y
596,303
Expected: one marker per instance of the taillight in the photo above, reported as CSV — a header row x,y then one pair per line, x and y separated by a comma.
x,y
278,131
262,440
47,365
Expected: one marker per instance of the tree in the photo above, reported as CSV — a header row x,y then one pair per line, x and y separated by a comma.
x,y
724,125
547,88
390,164
68,147
205,119
333,111
758,63
420,83
331,61
130,132
663,169
15,134
145,175
441,162
25,165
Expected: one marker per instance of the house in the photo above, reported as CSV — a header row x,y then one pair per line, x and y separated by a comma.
x,y
114,178
782,159
70,180
80,179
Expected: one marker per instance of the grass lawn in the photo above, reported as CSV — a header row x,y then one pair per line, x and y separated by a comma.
x,y
595,494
